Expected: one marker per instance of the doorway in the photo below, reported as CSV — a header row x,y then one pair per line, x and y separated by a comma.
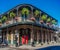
x,y
24,36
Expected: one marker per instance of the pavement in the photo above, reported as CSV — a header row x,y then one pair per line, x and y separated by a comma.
x,y
28,47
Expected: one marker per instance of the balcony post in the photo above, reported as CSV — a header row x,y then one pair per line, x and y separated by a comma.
x,y
32,36
37,36
42,34
45,36
12,37
17,12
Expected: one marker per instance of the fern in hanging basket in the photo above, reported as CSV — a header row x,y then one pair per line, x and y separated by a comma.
x,y
25,11
4,19
44,17
48,21
54,22
37,12
12,15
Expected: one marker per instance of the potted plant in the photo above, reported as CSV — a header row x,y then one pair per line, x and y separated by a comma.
x,y
36,13
12,16
53,23
32,18
4,19
43,18
18,19
25,13
48,21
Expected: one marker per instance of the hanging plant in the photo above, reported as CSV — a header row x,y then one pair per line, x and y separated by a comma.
x,y
37,12
44,17
4,19
54,22
48,20
12,14
25,11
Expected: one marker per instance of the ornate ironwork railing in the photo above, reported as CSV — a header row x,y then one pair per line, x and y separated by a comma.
x,y
29,22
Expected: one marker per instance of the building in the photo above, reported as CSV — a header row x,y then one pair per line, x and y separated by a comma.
x,y
25,24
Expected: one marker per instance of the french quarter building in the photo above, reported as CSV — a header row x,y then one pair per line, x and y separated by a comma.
x,y
25,24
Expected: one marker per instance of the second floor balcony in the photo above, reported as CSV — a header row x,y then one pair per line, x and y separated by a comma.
x,y
23,20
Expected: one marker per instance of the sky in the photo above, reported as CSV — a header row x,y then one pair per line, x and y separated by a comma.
x,y
51,7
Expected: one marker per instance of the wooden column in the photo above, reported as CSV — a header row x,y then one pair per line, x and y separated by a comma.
x,y
51,36
11,37
42,36
7,36
32,36
45,36
37,36
48,35
17,34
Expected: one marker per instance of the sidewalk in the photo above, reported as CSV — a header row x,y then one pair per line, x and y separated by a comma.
x,y
28,47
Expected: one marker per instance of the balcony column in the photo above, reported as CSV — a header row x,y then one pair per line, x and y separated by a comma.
x,y
45,36
37,36
48,36
32,36
17,34
42,36
31,12
51,36
11,37
7,36
17,12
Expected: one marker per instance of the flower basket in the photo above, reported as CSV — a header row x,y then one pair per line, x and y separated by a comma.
x,y
32,18
48,23
41,21
18,19
7,22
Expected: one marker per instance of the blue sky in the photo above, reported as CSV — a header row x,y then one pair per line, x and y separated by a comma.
x,y
52,7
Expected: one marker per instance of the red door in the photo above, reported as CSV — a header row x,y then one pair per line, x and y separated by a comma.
x,y
24,39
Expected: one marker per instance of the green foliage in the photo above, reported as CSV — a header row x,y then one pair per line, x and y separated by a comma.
x,y
37,12
49,19
4,18
54,22
44,17
12,15
25,11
